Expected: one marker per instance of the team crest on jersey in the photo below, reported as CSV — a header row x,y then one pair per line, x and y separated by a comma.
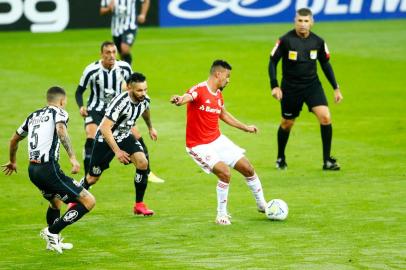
x,y
207,101
313,54
292,55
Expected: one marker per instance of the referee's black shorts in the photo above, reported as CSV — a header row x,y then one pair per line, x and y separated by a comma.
x,y
102,153
53,183
292,101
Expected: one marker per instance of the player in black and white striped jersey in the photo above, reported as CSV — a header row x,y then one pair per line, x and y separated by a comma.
x,y
124,23
115,138
106,78
46,128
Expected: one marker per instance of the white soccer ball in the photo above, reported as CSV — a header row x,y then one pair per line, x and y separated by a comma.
x,y
276,209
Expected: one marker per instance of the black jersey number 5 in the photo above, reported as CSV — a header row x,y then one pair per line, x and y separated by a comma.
x,y
34,135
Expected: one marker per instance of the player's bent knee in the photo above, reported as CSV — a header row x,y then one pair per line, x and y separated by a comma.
x,y
87,199
142,164
224,175
287,124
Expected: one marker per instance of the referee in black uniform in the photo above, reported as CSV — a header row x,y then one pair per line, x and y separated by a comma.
x,y
300,49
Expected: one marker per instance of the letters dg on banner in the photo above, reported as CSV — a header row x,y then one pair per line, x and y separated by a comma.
x,y
42,21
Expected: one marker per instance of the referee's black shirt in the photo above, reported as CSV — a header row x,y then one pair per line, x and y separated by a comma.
x,y
299,67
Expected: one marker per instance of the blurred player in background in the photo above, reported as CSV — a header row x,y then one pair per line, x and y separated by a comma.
x,y
106,78
124,23
205,144
46,129
300,49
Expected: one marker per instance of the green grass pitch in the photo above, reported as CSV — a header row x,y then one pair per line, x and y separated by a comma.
x,y
351,219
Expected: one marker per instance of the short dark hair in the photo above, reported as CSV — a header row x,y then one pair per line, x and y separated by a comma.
x,y
54,93
304,12
136,77
219,63
105,44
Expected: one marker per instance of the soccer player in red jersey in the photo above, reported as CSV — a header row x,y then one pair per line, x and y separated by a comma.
x,y
210,149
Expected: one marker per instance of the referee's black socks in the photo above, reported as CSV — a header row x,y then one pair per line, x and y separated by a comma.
x,y
88,153
283,136
140,183
326,137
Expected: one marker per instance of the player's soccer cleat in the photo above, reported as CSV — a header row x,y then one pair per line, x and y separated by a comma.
x,y
154,179
62,244
281,164
51,239
223,219
330,164
142,209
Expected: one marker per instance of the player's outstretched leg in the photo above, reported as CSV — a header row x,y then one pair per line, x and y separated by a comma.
x,y
245,168
51,234
52,216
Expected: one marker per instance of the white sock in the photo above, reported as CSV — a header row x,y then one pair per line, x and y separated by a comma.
x,y
222,197
254,184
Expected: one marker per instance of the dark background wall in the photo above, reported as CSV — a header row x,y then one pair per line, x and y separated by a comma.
x,y
82,14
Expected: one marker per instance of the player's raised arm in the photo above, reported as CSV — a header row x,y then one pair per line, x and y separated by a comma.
x,y
229,119
180,100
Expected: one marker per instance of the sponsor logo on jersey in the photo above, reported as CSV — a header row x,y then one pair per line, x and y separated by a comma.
x,y
209,109
70,215
313,54
292,55
39,119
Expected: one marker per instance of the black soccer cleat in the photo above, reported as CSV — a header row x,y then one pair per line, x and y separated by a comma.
x,y
330,164
281,164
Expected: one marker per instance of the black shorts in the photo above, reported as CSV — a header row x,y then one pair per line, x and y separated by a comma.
x,y
127,37
102,153
94,117
53,183
292,103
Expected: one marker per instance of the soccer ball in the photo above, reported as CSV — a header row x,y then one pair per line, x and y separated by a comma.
x,y
276,209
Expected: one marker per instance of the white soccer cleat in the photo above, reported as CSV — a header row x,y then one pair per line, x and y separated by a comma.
x,y
51,239
155,179
223,219
62,244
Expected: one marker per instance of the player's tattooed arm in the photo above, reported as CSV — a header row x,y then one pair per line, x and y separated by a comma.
x,y
64,138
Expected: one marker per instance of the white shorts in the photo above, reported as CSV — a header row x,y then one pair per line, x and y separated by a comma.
x,y
222,149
